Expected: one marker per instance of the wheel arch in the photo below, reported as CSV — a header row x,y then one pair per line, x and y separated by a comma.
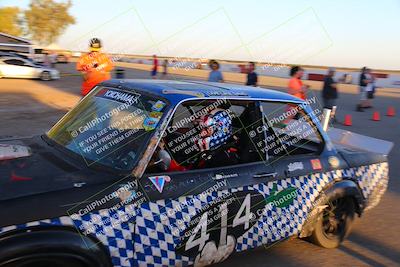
x,y
344,188
48,240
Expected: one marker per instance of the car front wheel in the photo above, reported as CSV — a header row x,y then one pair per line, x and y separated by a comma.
x,y
333,223
45,76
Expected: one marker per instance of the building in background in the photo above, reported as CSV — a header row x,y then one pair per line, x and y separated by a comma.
x,y
9,43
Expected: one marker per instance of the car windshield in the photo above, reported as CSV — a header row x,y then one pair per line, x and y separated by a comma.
x,y
110,126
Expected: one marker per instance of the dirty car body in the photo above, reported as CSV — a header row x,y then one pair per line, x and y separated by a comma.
x,y
93,187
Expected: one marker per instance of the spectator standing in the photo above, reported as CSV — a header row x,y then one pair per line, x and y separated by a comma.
x,y
252,77
46,60
296,87
165,67
329,90
215,74
364,81
95,66
53,59
155,67
370,88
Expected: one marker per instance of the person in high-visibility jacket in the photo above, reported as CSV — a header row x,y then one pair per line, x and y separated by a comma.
x,y
95,67
296,86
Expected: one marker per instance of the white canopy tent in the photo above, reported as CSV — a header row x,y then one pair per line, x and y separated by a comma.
x,y
54,47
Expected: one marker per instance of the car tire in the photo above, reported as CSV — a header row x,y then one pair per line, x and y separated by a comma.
x,y
51,247
45,76
334,222
49,260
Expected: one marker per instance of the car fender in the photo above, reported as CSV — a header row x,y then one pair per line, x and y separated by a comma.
x,y
344,188
31,241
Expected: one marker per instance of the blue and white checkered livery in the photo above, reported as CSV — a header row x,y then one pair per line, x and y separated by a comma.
x,y
149,234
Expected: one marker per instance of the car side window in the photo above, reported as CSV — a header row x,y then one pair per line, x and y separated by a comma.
x,y
16,62
211,133
288,130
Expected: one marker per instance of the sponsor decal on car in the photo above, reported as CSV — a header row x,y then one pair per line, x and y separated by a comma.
x,y
316,164
158,106
13,151
333,161
224,176
150,123
295,166
159,181
120,96
283,198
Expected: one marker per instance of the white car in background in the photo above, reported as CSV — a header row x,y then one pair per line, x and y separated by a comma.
x,y
18,67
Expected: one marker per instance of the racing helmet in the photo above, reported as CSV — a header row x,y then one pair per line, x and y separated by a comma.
x,y
95,44
216,129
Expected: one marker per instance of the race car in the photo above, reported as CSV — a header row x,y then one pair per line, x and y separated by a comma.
x,y
181,173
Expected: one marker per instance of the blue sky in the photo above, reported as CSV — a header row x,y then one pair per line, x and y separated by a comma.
x,y
350,33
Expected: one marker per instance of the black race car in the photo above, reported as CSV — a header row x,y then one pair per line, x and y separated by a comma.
x,y
169,173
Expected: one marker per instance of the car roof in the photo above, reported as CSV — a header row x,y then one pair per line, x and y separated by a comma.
x,y
177,91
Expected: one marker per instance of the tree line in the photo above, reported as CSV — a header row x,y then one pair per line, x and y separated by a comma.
x,y
43,21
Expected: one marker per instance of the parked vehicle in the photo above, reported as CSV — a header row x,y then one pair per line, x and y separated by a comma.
x,y
19,67
169,173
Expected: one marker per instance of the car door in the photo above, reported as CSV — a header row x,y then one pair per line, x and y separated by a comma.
x,y
297,146
28,70
201,216
303,162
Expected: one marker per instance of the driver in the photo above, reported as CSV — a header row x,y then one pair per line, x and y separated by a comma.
x,y
216,141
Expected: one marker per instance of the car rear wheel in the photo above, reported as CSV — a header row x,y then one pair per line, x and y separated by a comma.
x,y
49,260
45,76
333,223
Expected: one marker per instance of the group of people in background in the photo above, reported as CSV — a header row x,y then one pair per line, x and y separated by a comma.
x,y
367,87
215,74
96,66
296,87
329,93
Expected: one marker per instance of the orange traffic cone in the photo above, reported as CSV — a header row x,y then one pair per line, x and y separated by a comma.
x,y
347,120
376,116
390,111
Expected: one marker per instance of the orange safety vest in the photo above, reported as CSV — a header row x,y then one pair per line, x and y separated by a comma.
x,y
296,88
96,68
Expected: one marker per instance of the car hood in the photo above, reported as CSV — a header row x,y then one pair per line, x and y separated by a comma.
x,y
30,166
39,182
353,142
359,150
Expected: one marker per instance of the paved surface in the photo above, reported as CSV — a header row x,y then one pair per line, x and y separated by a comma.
x,y
29,107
